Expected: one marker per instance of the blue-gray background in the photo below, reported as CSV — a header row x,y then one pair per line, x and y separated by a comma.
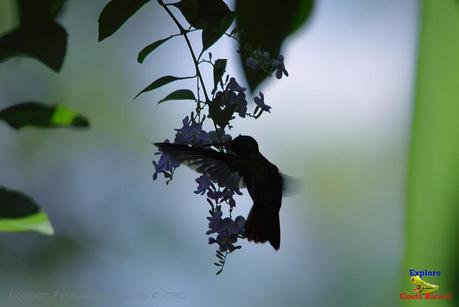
x,y
339,123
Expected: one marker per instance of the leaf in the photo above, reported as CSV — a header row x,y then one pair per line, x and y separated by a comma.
x,y
219,116
219,257
150,48
40,115
115,14
219,70
274,21
45,42
32,11
160,82
15,204
202,14
212,34
19,212
179,95
433,168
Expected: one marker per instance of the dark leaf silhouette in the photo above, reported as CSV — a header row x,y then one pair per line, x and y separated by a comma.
x,y
14,204
219,70
179,95
45,42
212,34
115,14
160,82
33,11
274,21
19,212
43,116
150,48
203,14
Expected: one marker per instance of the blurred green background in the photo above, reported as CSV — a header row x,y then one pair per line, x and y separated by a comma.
x,y
341,123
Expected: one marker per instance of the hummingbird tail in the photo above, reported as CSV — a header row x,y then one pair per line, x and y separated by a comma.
x,y
263,225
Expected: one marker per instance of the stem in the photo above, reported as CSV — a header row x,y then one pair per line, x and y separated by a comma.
x,y
184,33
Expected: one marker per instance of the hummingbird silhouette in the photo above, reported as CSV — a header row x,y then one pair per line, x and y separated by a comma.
x,y
241,166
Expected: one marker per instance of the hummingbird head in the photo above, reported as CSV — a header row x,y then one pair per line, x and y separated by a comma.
x,y
243,145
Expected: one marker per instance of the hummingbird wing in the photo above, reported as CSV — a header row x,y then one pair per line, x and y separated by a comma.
x,y
220,167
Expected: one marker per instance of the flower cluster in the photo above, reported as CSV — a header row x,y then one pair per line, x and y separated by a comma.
x,y
165,165
234,94
191,133
227,230
261,60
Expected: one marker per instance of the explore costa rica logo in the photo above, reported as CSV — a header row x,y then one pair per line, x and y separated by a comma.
x,y
424,290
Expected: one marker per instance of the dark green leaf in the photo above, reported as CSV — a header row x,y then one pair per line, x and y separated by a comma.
x,y
33,11
179,95
160,82
14,204
219,116
203,14
115,14
18,212
45,42
217,264
150,48
212,34
219,70
41,115
274,21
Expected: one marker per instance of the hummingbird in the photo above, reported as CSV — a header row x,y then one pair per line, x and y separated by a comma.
x,y
242,165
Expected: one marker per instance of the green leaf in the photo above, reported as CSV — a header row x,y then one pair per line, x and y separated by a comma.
x,y
14,204
150,48
179,95
19,212
274,21
160,82
45,42
115,14
202,14
219,70
33,11
40,115
212,34
432,212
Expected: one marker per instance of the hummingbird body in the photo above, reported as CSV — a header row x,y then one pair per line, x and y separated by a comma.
x,y
242,165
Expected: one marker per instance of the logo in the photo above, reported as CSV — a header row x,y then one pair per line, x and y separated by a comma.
x,y
424,290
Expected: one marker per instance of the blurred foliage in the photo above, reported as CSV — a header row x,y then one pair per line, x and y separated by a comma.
x,y
32,11
38,36
266,24
41,115
433,177
19,212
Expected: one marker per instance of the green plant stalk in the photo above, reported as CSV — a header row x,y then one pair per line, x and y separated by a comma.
x,y
432,214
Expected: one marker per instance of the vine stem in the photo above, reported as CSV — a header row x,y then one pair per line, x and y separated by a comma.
x,y
193,55
184,32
